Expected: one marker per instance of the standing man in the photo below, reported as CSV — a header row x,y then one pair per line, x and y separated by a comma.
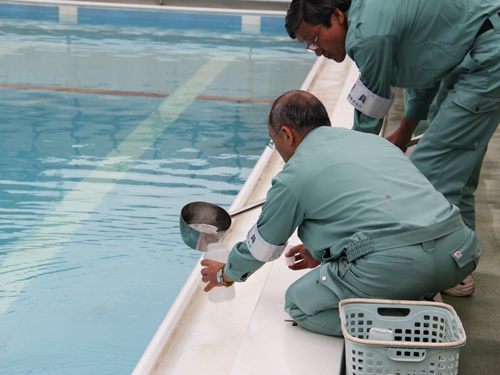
x,y
447,49
372,226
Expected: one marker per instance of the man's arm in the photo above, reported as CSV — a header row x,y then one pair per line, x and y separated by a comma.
x,y
417,103
374,57
280,216
402,135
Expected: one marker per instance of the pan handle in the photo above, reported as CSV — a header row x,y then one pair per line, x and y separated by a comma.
x,y
247,207
414,141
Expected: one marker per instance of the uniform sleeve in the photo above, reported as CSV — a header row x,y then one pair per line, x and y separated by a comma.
x,y
280,216
373,56
418,102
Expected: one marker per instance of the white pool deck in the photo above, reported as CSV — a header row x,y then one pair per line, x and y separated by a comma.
x,y
250,334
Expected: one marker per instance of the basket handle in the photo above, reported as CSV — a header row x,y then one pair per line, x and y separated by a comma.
x,y
416,355
394,312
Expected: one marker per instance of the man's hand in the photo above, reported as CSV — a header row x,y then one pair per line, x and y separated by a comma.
x,y
403,134
209,274
303,258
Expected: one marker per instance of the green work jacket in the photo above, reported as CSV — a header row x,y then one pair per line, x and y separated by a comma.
x,y
342,187
411,44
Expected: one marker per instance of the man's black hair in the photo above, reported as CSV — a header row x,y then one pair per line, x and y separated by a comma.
x,y
313,12
299,110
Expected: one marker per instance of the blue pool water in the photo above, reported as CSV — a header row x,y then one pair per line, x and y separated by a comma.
x,y
92,181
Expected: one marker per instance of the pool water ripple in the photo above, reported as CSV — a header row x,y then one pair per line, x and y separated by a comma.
x,y
91,186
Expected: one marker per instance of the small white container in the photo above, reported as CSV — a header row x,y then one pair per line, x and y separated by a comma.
x,y
219,253
382,334
290,261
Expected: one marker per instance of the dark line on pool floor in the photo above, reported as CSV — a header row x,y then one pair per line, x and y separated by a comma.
x,y
130,93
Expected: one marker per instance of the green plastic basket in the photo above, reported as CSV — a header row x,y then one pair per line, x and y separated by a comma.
x,y
427,337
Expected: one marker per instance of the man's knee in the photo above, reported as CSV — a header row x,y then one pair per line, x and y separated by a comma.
x,y
311,295
313,305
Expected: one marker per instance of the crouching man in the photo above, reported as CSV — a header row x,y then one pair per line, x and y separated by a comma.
x,y
371,224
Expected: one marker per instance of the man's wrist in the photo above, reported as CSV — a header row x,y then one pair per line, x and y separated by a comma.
x,y
221,278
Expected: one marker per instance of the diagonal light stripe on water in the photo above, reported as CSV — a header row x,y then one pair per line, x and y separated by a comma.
x,y
23,264
8,47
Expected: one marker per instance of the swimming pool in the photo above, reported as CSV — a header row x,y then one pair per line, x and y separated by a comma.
x,y
111,123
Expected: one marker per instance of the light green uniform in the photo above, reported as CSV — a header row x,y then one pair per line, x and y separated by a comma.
x,y
374,221
430,47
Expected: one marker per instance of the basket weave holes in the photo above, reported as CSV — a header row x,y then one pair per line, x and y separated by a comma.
x,y
398,331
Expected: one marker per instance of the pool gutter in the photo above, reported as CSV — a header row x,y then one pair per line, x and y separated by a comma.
x,y
155,8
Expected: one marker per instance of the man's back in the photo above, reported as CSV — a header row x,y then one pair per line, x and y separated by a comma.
x,y
355,185
422,39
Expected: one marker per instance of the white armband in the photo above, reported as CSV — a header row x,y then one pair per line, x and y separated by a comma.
x,y
260,248
367,102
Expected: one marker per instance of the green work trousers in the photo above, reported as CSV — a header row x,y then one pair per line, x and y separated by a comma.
x,y
451,152
405,273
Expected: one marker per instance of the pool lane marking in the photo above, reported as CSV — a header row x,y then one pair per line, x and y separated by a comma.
x,y
129,93
25,263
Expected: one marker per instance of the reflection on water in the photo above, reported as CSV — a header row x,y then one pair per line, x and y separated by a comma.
x,y
90,250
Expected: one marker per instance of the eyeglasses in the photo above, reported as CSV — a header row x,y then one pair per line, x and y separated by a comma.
x,y
270,144
313,47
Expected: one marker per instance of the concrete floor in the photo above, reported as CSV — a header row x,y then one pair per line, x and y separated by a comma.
x,y
480,313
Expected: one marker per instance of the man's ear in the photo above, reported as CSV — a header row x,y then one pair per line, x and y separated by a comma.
x,y
288,134
337,16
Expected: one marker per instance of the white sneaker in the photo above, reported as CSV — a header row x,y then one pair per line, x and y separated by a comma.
x,y
465,288
434,297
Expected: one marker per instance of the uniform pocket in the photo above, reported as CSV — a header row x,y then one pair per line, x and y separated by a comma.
x,y
344,266
468,252
476,103
463,119
474,75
